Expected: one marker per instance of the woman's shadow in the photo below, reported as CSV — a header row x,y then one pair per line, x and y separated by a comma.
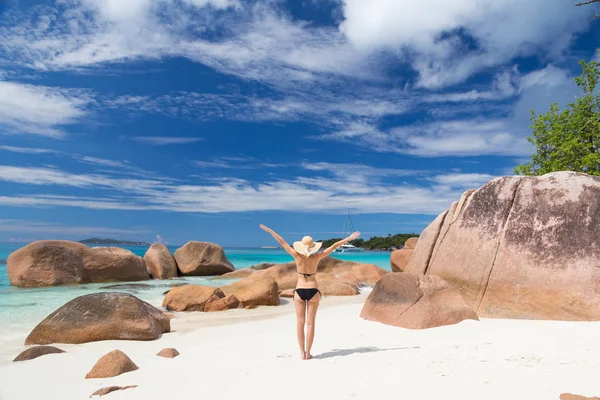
x,y
347,352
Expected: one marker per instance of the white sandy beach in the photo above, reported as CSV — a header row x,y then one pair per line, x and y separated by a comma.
x,y
354,359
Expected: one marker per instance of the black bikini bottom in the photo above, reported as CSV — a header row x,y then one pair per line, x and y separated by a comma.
x,y
307,293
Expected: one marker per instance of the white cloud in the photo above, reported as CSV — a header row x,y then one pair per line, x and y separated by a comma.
x,y
28,150
301,194
334,77
462,138
213,164
39,110
505,85
50,176
359,172
235,162
501,132
447,42
43,228
103,162
165,140
463,180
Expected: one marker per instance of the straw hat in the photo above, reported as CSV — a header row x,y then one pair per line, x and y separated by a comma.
x,y
307,246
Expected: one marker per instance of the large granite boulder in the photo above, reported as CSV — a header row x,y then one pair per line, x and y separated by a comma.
x,y
112,364
101,316
190,297
47,263
399,259
350,271
415,302
411,243
329,285
106,264
237,274
160,263
37,351
202,259
62,262
285,275
255,292
521,247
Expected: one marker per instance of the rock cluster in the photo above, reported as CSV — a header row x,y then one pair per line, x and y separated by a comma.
x,y
62,262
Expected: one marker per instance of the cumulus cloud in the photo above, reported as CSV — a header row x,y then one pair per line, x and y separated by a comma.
x,y
447,47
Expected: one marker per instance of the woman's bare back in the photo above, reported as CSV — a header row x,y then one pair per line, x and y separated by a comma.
x,y
307,270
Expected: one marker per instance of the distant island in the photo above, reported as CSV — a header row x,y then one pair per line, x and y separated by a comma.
x,y
113,241
388,242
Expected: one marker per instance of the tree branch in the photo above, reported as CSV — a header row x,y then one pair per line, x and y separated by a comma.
x,y
587,2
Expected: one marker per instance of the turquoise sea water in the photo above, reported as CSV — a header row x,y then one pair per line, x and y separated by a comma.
x,y
22,308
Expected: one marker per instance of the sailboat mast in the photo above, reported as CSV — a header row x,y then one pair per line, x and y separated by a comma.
x,y
348,224
351,225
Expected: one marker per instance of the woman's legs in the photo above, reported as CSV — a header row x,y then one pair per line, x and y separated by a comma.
x,y
312,306
300,318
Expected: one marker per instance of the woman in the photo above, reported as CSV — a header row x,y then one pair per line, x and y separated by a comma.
x,y
307,295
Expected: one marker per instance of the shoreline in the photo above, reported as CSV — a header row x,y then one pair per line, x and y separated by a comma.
x,y
189,321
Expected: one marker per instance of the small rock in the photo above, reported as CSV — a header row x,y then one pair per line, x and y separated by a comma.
x,y
37,351
110,389
168,353
569,396
112,364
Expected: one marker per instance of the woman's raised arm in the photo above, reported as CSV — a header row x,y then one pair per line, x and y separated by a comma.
x,y
336,245
282,242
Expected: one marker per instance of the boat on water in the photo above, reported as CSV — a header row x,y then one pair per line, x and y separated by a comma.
x,y
348,248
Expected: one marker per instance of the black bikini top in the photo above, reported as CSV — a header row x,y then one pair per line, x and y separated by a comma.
x,y
305,275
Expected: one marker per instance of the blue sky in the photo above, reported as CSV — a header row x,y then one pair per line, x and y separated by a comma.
x,y
200,119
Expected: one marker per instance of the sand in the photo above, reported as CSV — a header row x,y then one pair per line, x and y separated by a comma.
x,y
257,358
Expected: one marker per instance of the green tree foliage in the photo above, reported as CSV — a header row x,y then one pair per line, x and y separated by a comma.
x,y
376,242
568,140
